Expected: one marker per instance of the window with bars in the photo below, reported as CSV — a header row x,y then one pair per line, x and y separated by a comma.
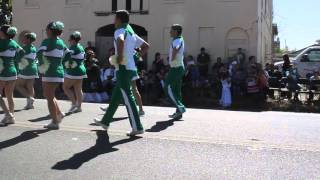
x,y
114,5
130,5
72,2
31,3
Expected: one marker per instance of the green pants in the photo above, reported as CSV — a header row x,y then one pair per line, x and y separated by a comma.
x,y
123,93
172,87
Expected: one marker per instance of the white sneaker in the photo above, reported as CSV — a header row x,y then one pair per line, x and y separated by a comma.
x,y
99,123
77,110
61,116
10,120
141,113
73,108
104,109
134,133
3,122
29,105
7,120
52,125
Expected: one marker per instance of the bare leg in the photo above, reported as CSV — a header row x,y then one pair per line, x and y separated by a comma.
x,y
49,93
9,88
30,87
137,95
67,85
2,102
78,91
21,87
59,112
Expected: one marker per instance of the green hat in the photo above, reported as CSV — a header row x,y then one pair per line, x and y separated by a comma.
x,y
32,36
76,34
12,31
58,25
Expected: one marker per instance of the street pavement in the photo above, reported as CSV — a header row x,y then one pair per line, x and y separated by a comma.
x,y
205,144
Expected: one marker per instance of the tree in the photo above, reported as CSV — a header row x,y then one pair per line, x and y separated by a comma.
x,y
6,12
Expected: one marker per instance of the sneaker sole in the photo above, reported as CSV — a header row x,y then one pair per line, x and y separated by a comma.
x,y
135,134
105,127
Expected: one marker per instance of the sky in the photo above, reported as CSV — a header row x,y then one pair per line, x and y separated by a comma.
x,y
298,22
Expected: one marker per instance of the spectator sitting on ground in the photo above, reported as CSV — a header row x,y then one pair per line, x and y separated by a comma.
x,y
217,66
286,64
263,82
252,79
193,72
225,100
90,47
240,57
92,86
292,82
315,77
158,63
238,81
203,62
107,73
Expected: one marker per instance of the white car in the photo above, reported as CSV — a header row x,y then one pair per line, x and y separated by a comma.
x,y
307,62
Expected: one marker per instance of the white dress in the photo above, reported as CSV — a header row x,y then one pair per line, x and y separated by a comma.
x,y
225,100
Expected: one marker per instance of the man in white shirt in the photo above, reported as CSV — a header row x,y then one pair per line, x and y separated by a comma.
x,y
126,42
173,82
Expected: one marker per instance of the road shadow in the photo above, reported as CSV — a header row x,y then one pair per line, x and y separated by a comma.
x,y
44,118
18,110
102,146
162,125
25,136
114,120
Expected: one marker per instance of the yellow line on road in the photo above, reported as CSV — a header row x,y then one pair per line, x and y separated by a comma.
x,y
250,145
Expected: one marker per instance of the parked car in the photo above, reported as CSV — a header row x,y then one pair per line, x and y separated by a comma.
x,y
307,62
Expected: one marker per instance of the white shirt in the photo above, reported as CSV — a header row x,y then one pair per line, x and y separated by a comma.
x,y
105,73
179,45
131,42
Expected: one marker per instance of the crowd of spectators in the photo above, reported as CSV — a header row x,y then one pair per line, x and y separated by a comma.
x,y
236,78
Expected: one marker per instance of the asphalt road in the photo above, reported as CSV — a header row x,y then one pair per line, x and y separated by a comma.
x,y
206,144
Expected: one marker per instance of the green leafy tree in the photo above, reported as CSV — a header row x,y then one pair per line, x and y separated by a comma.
x,y
6,11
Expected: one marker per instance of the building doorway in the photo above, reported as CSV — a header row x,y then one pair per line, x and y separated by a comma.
x,y
105,38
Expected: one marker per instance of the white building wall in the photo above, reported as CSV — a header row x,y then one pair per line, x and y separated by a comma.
x,y
206,22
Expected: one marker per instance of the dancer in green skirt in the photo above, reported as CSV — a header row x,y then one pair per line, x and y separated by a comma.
x,y
10,54
75,72
28,70
50,55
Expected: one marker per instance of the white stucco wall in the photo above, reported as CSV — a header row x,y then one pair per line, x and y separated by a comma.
x,y
221,26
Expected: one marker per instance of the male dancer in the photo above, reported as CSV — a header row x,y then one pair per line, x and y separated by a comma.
x,y
125,44
173,82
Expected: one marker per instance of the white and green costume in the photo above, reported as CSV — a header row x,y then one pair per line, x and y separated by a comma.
x,y
123,90
74,63
10,54
173,82
50,56
28,67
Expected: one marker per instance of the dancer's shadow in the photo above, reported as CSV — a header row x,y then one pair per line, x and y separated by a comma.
x,y
25,136
44,118
162,125
18,110
102,146
114,120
